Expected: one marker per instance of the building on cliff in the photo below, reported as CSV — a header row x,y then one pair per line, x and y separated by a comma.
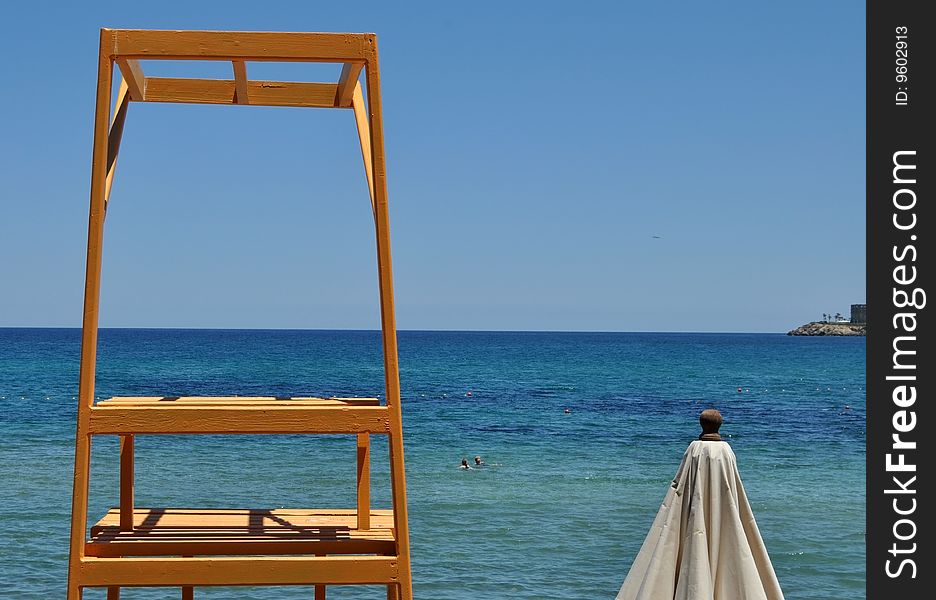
x,y
859,313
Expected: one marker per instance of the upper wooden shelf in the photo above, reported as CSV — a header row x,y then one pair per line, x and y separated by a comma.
x,y
239,45
354,51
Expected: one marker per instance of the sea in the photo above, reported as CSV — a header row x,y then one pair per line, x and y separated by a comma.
x,y
581,434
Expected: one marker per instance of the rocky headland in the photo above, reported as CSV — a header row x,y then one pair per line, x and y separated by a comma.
x,y
822,328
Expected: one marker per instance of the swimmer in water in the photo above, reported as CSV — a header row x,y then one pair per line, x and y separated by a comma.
x,y
567,411
478,461
465,466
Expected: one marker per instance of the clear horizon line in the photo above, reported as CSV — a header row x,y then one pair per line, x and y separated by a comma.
x,y
168,328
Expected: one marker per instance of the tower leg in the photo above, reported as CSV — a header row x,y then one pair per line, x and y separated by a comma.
x,y
388,322
89,328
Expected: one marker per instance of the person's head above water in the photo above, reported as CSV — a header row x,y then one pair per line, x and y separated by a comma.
x,y
477,460
465,463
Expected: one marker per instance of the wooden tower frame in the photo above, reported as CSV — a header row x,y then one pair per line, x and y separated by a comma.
x,y
183,548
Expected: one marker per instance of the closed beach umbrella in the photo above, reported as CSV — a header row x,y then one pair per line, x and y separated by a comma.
x,y
704,543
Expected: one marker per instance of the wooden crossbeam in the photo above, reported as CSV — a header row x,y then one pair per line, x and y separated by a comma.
x,y
243,45
258,570
240,82
133,74
222,91
350,74
215,420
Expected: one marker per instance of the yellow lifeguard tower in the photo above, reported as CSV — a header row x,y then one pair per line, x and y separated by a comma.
x,y
175,547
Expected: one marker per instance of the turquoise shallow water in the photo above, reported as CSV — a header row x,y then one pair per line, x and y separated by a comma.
x,y
561,515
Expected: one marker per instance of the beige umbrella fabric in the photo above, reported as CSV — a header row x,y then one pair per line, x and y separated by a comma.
x,y
704,543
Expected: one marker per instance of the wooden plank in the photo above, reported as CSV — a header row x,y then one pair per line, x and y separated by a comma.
x,y
259,93
240,82
257,570
241,518
350,77
364,137
206,533
363,481
235,546
243,45
126,483
245,419
133,74
235,403
181,531
238,400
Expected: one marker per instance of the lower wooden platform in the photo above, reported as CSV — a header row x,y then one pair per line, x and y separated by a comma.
x,y
217,532
238,414
188,572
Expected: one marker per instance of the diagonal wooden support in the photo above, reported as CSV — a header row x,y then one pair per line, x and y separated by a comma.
x,y
350,73
364,135
114,136
133,74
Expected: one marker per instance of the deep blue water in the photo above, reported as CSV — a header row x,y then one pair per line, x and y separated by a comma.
x,y
561,516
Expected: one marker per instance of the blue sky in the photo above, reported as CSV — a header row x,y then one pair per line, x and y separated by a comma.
x,y
534,151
